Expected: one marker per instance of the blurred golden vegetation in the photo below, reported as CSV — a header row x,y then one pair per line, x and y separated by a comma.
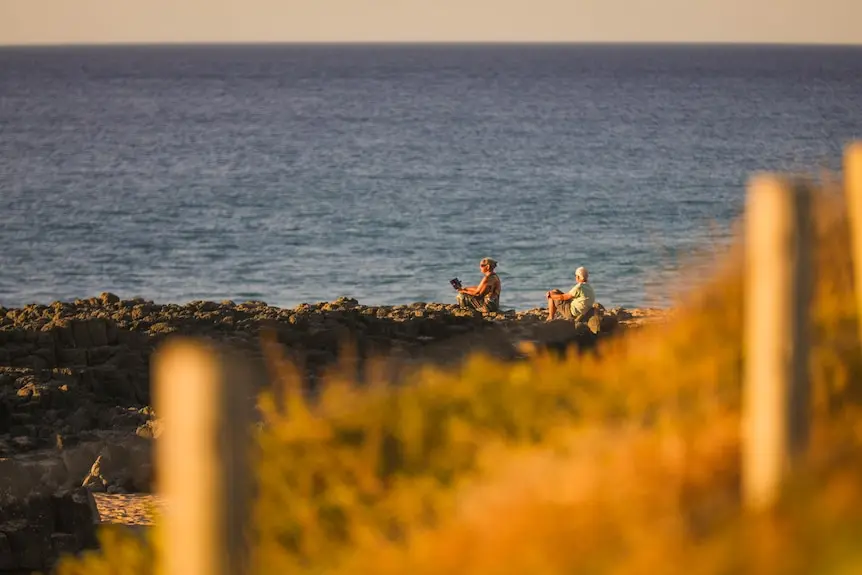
x,y
621,461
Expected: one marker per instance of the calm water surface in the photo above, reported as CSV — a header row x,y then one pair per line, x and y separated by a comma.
x,y
298,174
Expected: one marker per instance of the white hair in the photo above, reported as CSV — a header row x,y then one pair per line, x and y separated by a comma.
x,y
582,273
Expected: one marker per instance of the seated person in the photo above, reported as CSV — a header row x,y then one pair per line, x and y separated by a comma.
x,y
484,297
577,303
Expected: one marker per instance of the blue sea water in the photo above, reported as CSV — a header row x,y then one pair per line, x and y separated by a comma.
x,y
303,173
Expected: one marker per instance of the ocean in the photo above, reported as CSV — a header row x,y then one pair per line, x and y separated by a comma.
x,y
302,173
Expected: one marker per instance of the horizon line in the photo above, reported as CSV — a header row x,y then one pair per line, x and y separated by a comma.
x,y
200,43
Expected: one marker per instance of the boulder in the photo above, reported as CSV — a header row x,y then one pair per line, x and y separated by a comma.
x,y
108,298
36,529
124,466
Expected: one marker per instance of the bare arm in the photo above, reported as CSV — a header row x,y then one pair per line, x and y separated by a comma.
x,y
559,296
477,290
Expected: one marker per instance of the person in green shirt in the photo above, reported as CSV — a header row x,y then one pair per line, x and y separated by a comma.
x,y
577,302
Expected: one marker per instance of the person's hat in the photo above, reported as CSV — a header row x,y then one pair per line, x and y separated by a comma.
x,y
582,273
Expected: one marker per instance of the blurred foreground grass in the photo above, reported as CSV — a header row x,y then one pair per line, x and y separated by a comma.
x,y
625,461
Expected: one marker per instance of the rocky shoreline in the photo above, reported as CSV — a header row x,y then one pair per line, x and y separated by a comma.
x,y
76,426
76,374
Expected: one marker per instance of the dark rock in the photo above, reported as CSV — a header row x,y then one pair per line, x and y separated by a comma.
x,y
162,328
130,338
65,543
24,441
595,323
30,390
609,323
78,461
124,466
34,362
44,337
108,298
110,383
80,420
13,481
29,542
621,313
6,420
151,429
73,514
45,356
72,357
36,529
140,311
87,361
209,306
111,332
98,332
100,355
47,473
7,559
81,333
61,329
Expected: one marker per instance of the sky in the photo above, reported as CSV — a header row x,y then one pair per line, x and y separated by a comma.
x,y
215,21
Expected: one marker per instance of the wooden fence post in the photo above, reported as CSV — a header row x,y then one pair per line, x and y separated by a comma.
x,y
853,196
204,401
777,276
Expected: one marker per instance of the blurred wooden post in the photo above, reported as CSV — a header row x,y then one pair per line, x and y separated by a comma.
x,y
777,279
853,195
204,403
